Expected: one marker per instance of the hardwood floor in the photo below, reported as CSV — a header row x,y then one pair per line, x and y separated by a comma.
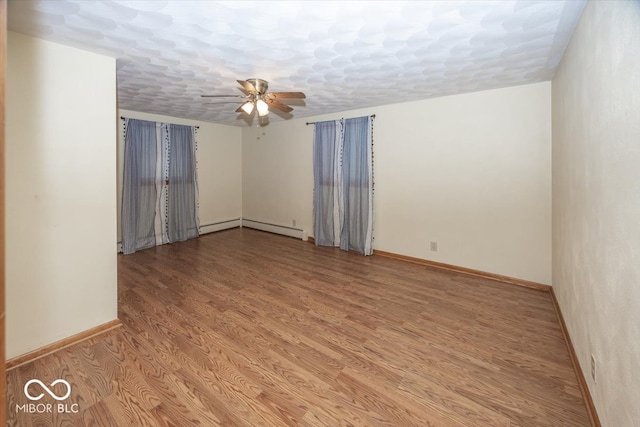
x,y
248,328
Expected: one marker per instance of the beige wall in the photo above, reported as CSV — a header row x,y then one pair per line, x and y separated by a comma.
x,y
472,172
277,174
219,162
60,192
596,203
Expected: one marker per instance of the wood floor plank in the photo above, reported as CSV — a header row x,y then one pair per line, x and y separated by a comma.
x,y
246,328
97,415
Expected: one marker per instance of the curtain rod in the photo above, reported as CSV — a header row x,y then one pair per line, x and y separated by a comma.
x,y
122,118
373,116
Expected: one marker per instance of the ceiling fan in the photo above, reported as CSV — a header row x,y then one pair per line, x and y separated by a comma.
x,y
258,98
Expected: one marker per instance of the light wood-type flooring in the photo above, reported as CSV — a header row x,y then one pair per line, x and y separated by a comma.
x,y
246,328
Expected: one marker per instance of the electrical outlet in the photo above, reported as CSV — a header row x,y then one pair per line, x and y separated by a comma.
x,y
593,368
434,246
294,222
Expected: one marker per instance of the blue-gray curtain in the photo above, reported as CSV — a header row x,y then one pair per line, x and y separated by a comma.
x,y
327,221
140,192
160,192
343,184
357,186
182,214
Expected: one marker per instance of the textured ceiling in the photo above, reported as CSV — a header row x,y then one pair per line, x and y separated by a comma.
x,y
343,55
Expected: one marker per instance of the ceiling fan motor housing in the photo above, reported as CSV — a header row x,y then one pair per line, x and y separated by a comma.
x,y
260,85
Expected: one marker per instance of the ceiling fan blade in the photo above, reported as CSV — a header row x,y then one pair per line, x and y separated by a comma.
x,y
222,96
279,105
247,86
285,95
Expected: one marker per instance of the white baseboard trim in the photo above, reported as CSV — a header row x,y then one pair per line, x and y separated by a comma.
x,y
277,229
220,225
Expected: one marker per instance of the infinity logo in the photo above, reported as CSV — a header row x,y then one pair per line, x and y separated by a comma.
x,y
47,389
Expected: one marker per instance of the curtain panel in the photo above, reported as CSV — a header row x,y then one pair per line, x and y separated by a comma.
x,y
160,193
182,215
327,194
357,186
343,184
140,186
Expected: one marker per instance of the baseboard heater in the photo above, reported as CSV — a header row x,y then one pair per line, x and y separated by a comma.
x,y
298,233
221,225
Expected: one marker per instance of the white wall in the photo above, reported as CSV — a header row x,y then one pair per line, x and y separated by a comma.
x,y
277,174
472,172
61,274
219,161
596,203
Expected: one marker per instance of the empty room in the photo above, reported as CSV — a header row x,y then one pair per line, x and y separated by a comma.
x,y
320,213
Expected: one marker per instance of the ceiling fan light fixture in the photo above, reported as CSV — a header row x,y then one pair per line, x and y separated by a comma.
x,y
263,108
258,101
247,107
